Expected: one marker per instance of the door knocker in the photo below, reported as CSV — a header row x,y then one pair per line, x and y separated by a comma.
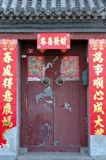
x,y
46,80
59,80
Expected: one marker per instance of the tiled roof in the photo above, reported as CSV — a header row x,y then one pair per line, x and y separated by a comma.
x,y
48,8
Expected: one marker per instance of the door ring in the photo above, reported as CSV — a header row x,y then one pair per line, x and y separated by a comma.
x,y
59,80
46,80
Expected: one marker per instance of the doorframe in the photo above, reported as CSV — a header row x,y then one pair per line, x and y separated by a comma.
x,y
24,150
18,114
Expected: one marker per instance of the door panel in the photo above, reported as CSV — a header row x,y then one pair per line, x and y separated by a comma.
x,y
66,110
40,115
40,109
66,114
52,104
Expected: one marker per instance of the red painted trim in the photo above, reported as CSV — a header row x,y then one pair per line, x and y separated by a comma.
x,y
32,36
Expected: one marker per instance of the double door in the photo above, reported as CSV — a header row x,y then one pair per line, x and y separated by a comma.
x,y
51,103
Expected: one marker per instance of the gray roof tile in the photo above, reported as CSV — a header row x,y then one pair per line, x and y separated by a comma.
x,y
49,7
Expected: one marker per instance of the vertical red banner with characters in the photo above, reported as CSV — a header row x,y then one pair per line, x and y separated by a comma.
x,y
8,86
97,86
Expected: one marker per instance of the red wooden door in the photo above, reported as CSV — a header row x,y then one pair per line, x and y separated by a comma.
x,y
51,102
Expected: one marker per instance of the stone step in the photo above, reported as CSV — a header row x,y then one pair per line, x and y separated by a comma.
x,y
54,156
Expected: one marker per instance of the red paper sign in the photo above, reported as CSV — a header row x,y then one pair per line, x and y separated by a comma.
x,y
53,41
97,86
35,68
8,85
70,67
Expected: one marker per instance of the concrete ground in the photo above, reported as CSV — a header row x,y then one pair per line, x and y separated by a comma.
x,y
99,158
54,156
58,156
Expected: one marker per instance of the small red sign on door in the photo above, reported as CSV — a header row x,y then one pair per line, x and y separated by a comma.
x,y
35,68
53,41
70,67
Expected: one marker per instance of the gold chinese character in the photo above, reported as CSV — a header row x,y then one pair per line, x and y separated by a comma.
x,y
3,134
98,95
7,96
43,41
12,44
98,69
98,122
63,40
98,107
50,41
102,44
7,82
98,57
56,40
7,71
7,122
98,82
94,44
97,44
7,109
8,44
99,131
7,57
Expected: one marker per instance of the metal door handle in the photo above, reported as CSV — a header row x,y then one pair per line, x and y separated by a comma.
x,y
46,80
59,80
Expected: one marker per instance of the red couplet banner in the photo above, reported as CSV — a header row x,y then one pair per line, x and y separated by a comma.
x,y
8,85
97,86
53,41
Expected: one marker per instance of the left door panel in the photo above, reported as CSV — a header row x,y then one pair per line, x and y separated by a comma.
x,y
37,105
